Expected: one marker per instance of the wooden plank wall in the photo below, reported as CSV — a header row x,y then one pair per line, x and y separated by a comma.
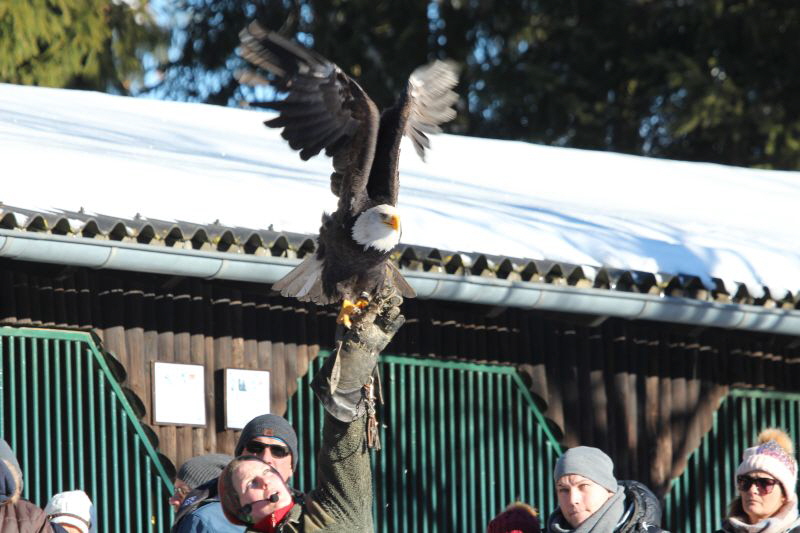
x,y
645,392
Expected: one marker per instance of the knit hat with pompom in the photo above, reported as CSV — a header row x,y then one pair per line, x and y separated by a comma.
x,y
517,518
773,454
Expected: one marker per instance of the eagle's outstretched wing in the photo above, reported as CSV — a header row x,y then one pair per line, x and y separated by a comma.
x,y
324,109
432,97
425,104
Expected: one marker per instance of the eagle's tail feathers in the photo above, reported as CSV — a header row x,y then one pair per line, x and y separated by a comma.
x,y
400,284
304,282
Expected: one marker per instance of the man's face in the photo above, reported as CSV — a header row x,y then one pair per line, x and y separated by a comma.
x,y
255,482
579,498
272,451
181,490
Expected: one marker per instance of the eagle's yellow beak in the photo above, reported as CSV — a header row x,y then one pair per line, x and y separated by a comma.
x,y
393,222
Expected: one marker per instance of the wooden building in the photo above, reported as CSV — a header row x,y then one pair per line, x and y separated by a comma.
x,y
636,363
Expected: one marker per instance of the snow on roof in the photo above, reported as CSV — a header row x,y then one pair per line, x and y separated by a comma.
x,y
121,156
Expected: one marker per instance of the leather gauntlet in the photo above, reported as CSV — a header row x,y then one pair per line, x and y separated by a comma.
x,y
343,382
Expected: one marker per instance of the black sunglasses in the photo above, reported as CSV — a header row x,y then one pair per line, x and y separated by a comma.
x,y
764,484
278,451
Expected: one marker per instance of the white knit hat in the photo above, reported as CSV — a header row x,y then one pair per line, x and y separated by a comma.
x,y
73,508
774,456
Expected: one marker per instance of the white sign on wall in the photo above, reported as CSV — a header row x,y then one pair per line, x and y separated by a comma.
x,y
179,394
246,396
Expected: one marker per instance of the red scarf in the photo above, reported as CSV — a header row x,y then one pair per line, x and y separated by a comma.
x,y
270,522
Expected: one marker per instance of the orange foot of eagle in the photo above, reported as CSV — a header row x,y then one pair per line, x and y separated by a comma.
x,y
351,308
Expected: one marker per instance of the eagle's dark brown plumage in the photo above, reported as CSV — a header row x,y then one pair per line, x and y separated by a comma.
x,y
327,110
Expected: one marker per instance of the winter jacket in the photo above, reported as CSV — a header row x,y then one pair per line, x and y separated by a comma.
x,y
642,512
201,512
342,499
206,518
18,515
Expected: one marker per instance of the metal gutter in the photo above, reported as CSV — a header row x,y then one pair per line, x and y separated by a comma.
x,y
90,253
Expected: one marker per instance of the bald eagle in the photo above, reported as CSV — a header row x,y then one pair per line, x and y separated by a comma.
x,y
325,109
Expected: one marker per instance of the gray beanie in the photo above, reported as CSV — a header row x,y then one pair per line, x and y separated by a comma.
x,y
591,463
7,454
269,426
198,470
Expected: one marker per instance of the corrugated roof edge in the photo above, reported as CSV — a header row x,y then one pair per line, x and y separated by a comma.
x,y
225,252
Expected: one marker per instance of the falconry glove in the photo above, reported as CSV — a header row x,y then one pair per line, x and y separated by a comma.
x,y
344,385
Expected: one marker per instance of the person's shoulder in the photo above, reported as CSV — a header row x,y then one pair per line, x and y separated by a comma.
x,y
28,510
200,497
211,516
206,519
646,509
30,516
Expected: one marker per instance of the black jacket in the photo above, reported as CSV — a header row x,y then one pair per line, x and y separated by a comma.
x,y
642,512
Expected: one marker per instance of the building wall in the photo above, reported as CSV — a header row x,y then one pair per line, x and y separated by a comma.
x,y
645,392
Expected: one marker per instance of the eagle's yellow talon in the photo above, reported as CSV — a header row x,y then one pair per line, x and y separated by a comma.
x,y
348,309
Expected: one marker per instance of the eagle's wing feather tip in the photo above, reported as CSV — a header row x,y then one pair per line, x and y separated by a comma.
x,y
400,283
303,282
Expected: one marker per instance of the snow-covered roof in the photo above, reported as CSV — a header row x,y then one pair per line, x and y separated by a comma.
x,y
171,161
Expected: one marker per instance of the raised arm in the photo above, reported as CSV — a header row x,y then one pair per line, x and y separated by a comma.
x,y
343,495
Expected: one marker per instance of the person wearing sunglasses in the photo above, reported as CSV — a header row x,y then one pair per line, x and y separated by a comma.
x,y
766,481
272,439
252,488
268,437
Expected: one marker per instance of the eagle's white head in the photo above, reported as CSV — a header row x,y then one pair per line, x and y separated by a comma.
x,y
378,227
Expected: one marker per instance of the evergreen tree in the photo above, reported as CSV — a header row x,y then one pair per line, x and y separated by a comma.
x,y
706,80
85,44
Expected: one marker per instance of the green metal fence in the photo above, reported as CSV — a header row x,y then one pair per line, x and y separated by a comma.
x,y
68,420
461,441
698,499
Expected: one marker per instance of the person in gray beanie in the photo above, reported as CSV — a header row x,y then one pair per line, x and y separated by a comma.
x,y
591,500
195,472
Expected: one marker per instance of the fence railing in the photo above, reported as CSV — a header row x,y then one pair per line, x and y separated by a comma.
x,y
698,499
460,442
71,427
